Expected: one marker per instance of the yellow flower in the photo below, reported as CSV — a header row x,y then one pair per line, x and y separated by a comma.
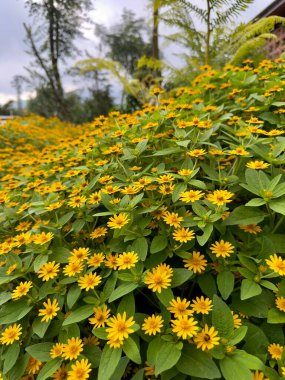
x,y
257,165
172,219
179,307
196,153
185,172
275,350
127,260
239,151
165,189
101,315
196,263
202,305
73,268
220,197
11,334
258,376
77,201
34,366
61,373
222,248
118,221
42,238
152,325
95,198
158,279
237,320
80,370
89,281
183,235
165,178
277,264
56,350
207,338
184,327
79,254
280,303
250,228
191,196
99,232
72,349
119,327
96,260
21,290
111,261
48,271
49,311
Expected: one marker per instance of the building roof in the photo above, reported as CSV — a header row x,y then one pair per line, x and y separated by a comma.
x,y
276,8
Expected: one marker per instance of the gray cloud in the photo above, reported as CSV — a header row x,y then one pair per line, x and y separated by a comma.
x,y
13,13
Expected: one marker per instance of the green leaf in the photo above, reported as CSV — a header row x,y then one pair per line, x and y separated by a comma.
x,y
40,351
158,243
60,255
207,284
4,297
14,311
49,369
207,232
256,306
225,282
138,376
65,218
40,327
165,296
194,362
131,349
109,360
127,304
249,289
78,225
244,215
166,152
167,356
275,316
233,369
140,246
278,206
222,318
73,295
180,276
178,189
93,354
120,369
122,290
100,332
256,202
11,356
238,335
248,360
18,370
79,315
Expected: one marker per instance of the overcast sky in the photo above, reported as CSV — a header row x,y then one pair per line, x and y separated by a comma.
x,y
13,56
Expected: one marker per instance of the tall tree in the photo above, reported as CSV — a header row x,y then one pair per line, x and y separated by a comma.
x,y
51,39
212,15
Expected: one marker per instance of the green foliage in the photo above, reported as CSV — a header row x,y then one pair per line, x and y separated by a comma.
x,y
148,244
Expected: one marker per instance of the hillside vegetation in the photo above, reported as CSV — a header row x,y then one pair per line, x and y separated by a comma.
x,y
149,245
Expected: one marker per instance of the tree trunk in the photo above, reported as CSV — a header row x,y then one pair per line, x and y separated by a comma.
x,y
155,46
53,46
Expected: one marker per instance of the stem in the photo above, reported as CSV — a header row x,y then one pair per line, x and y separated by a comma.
x,y
208,35
278,224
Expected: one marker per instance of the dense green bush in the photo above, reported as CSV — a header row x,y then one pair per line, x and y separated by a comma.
x,y
152,245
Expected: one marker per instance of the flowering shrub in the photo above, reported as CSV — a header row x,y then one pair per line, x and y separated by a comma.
x,y
151,245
